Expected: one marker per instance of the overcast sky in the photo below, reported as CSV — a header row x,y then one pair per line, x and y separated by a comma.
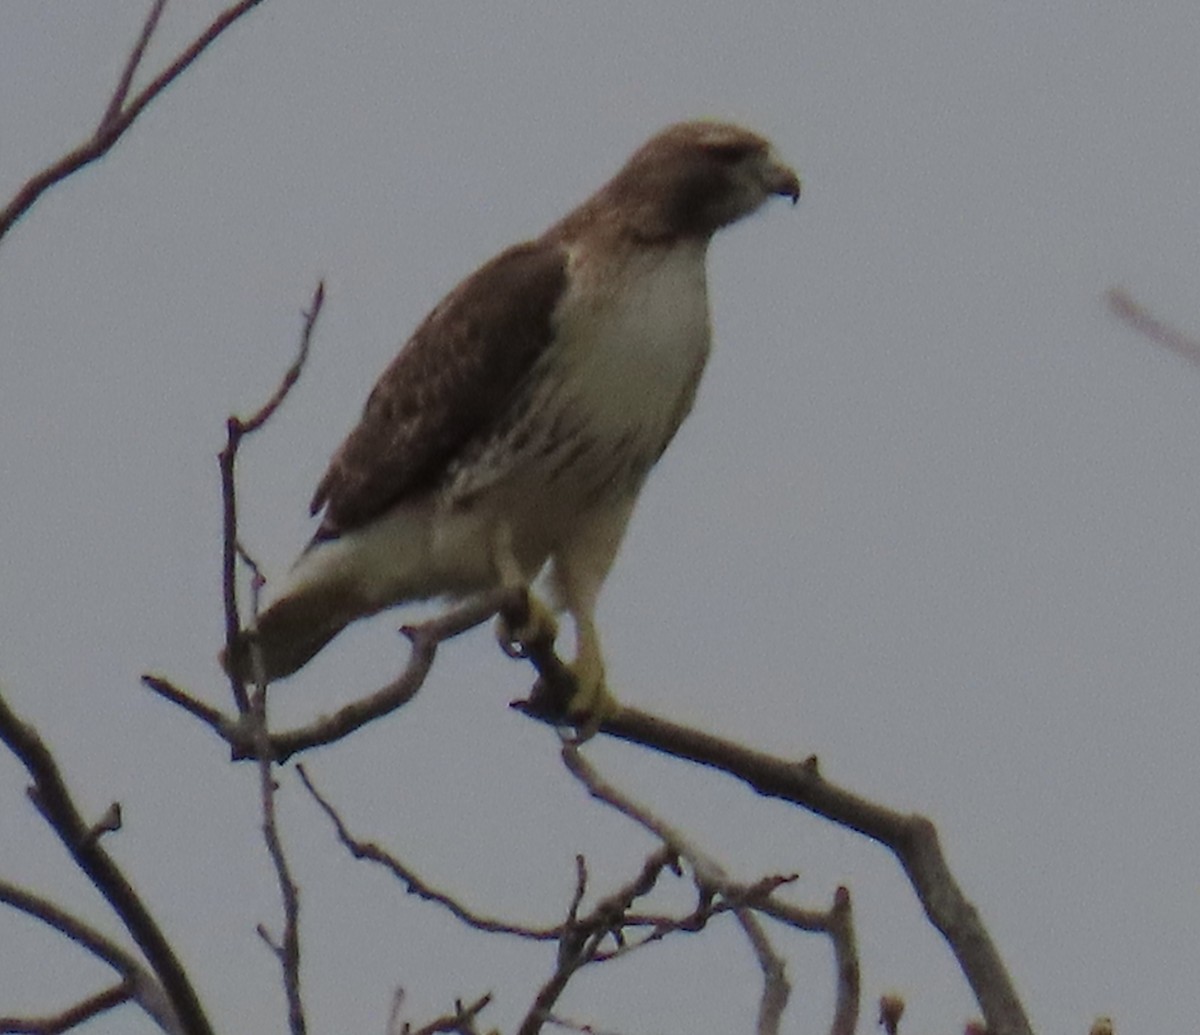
x,y
935,517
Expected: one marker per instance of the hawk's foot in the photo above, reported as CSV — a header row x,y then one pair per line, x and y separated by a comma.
x,y
591,704
537,627
573,695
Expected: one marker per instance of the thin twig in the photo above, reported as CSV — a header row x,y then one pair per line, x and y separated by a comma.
x,y
251,424
258,580
287,952
210,716
109,823
579,938
755,896
114,123
117,101
78,931
1127,309
413,883
237,428
558,1021
569,963
462,1021
708,873
601,917
72,1017
581,879
710,877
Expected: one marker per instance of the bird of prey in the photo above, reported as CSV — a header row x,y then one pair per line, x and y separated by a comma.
x,y
514,430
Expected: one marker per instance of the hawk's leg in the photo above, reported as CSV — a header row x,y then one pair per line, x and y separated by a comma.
x,y
591,703
580,566
539,625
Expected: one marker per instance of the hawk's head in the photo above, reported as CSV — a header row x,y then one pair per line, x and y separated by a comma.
x,y
693,178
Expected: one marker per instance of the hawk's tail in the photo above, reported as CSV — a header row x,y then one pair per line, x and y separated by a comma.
x,y
291,631
335,581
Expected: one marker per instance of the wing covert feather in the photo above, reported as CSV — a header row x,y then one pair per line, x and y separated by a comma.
x,y
449,384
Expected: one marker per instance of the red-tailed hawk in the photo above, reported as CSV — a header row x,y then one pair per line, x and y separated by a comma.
x,y
519,422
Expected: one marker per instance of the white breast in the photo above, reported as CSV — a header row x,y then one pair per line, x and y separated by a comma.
x,y
635,341
601,405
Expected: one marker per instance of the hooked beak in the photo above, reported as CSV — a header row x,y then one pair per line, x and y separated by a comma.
x,y
782,179
779,177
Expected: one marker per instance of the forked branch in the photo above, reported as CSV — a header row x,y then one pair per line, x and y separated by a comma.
x,y
911,838
121,110
50,795
236,429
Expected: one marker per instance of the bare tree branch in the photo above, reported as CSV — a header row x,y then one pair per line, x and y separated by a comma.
x,y
49,793
210,716
414,884
845,954
287,952
912,839
610,917
70,1018
236,429
1127,309
776,989
462,1021
711,879
78,931
424,640
558,1021
838,923
117,101
119,115
579,938
246,426
141,985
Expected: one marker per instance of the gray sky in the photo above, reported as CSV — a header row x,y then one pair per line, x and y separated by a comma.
x,y
934,518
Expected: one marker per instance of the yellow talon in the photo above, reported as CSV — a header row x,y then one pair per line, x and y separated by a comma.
x,y
591,704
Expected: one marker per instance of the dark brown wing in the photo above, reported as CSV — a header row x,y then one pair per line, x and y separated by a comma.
x,y
447,386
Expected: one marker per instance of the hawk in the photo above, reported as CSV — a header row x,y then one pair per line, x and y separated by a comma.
x,y
514,430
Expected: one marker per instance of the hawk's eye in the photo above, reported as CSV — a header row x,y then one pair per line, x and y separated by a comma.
x,y
732,153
